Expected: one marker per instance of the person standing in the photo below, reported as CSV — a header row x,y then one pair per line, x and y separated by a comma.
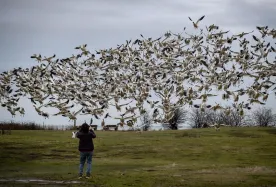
x,y
86,148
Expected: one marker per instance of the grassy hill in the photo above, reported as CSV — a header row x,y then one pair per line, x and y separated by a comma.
x,y
196,157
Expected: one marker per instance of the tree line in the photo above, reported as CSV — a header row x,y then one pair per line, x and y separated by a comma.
x,y
196,118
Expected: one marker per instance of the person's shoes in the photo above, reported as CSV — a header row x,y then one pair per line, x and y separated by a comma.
x,y
88,176
80,176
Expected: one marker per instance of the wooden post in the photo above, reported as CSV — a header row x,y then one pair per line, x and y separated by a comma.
x,y
75,122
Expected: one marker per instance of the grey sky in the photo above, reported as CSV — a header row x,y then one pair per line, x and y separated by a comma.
x,y
57,26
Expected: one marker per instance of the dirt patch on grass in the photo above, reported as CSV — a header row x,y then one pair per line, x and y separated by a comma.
x,y
270,131
167,166
240,134
188,135
59,156
59,150
12,148
137,158
23,147
38,181
257,169
34,156
238,174
247,170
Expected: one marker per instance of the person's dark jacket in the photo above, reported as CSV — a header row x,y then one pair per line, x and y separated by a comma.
x,y
86,141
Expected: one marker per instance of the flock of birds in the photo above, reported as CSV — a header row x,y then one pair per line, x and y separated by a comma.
x,y
187,67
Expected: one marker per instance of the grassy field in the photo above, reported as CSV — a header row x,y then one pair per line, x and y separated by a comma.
x,y
196,157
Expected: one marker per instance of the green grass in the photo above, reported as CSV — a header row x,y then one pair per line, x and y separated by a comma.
x,y
197,157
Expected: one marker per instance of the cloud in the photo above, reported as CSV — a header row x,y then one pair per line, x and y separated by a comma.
x,y
48,27
249,14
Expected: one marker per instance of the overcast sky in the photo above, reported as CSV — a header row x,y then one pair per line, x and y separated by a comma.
x,y
57,26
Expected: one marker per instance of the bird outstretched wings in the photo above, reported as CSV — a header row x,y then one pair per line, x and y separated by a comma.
x,y
91,121
196,24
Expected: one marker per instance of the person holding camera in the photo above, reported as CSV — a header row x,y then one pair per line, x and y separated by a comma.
x,y
86,148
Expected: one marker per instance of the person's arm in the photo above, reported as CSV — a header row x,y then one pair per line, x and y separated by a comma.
x,y
78,134
93,134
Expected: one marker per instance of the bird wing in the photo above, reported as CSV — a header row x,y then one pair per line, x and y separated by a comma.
x,y
200,19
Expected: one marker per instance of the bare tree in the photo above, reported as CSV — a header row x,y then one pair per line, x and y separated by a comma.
x,y
248,121
146,121
263,117
236,119
232,118
201,119
212,117
197,118
274,121
179,116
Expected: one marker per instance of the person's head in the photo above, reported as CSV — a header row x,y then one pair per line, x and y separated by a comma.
x,y
85,128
